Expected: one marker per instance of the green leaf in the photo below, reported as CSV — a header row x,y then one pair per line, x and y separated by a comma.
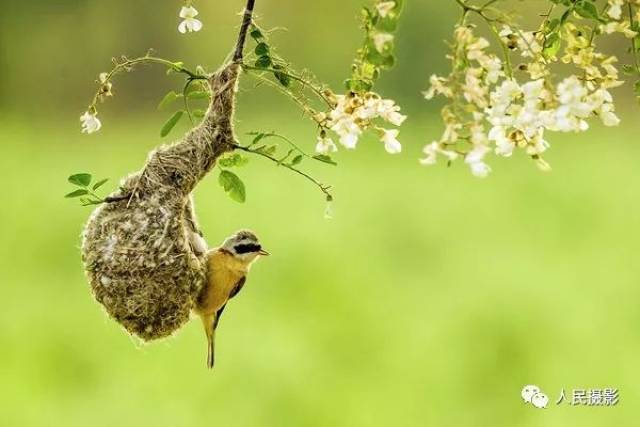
x,y
198,94
171,123
198,113
282,77
258,137
587,10
168,99
233,160
175,67
552,25
325,159
77,193
358,85
296,160
232,185
81,179
263,62
256,34
636,88
100,183
552,45
262,49
269,150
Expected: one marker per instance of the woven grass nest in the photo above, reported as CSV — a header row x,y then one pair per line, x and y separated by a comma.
x,y
143,252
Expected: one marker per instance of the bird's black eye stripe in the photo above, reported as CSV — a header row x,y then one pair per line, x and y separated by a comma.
x,y
247,248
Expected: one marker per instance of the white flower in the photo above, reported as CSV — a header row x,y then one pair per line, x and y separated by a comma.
x,y
90,123
607,115
369,109
529,45
385,7
473,90
543,165
475,50
380,41
537,145
615,9
348,131
619,27
325,145
390,140
328,211
475,160
388,110
493,66
189,23
438,86
431,152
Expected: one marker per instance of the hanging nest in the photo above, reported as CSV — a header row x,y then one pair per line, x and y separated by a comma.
x,y
142,251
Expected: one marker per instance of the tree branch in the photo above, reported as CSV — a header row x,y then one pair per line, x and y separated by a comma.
x,y
326,189
244,28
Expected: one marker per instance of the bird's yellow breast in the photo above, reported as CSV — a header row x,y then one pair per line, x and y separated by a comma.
x,y
224,272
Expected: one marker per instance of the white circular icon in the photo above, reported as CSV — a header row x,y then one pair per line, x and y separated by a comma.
x,y
528,392
540,400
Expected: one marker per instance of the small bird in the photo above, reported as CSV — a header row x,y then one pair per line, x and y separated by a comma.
x,y
228,267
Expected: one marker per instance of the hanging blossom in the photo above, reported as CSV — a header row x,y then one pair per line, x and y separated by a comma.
x,y
90,123
385,8
355,113
89,120
491,110
189,22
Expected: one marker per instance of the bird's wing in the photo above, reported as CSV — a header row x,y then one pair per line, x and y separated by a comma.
x,y
238,287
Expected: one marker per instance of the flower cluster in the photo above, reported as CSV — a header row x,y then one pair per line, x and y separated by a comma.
x,y
353,114
361,108
494,108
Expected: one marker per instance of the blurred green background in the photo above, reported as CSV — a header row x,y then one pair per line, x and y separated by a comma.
x,y
431,298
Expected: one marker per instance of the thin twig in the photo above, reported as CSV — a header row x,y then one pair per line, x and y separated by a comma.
x,y
324,188
305,84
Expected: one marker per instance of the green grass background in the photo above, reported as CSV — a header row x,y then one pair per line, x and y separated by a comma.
x,y
430,299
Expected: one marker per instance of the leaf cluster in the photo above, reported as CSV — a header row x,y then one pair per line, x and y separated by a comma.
x,y
86,191
370,61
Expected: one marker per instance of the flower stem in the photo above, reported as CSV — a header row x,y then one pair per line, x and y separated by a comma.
x,y
128,63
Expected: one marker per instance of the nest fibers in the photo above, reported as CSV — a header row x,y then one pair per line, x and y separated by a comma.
x,y
143,252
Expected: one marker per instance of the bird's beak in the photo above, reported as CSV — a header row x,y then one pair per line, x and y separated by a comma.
x,y
263,252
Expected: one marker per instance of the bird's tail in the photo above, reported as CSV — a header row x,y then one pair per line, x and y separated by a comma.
x,y
208,322
211,351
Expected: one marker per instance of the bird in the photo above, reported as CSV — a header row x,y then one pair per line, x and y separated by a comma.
x,y
227,269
